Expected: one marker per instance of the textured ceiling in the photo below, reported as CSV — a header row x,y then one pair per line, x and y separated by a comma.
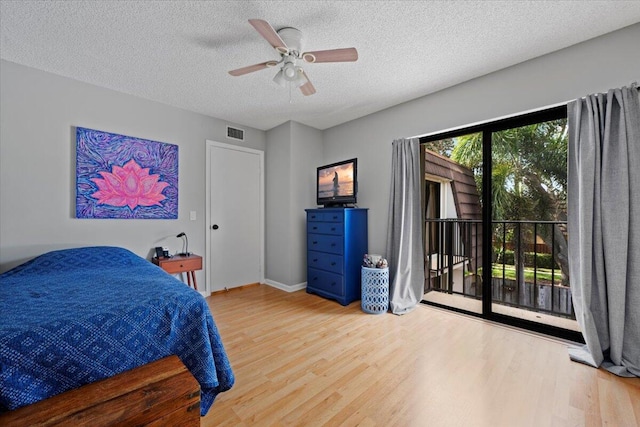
x,y
179,52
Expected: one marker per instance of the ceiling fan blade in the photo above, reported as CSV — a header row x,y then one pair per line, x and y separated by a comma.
x,y
266,30
348,54
252,68
307,88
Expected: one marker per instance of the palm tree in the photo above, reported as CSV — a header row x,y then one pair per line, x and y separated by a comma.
x,y
528,177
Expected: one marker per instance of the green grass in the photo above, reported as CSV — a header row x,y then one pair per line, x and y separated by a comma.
x,y
542,274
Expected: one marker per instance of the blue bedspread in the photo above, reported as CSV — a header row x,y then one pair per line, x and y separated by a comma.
x,y
72,317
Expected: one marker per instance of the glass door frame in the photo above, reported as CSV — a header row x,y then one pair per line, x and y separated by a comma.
x,y
487,129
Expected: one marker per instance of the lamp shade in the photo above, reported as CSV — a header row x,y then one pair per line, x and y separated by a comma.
x,y
300,78
290,73
279,79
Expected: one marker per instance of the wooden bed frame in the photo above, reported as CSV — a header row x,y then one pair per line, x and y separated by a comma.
x,y
160,393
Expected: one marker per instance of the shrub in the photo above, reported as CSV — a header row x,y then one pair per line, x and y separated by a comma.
x,y
542,261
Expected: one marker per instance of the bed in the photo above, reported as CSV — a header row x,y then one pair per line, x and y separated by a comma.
x,y
72,317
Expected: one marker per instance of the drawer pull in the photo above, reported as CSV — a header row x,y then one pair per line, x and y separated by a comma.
x,y
333,263
181,265
315,228
315,243
333,229
333,244
315,260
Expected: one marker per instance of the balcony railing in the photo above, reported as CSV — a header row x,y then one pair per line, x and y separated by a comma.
x,y
529,268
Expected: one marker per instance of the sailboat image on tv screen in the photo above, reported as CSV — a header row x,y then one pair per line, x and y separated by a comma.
x,y
336,181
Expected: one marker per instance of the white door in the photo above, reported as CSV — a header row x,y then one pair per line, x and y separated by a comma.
x,y
234,216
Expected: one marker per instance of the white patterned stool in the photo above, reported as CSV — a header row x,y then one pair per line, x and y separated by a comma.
x,y
375,290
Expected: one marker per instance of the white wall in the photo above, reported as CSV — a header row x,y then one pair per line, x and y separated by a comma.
x,y
294,152
306,156
38,115
596,65
278,199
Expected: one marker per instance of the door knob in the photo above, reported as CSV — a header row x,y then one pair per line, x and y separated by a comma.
x,y
214,227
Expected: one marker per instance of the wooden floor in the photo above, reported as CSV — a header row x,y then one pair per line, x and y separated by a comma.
x,y
302,360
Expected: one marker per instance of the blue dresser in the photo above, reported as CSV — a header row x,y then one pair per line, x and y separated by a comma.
x,y
337,239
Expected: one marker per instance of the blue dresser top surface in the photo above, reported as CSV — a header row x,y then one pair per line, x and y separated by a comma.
x,y
335,209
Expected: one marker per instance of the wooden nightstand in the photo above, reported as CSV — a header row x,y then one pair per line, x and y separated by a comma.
x,y
181,264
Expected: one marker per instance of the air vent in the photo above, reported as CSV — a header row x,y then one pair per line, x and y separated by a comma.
x,y
235,133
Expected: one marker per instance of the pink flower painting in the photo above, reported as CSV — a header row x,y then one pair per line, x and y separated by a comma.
x,y
124,177
130,186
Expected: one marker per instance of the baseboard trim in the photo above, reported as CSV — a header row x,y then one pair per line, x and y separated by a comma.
x,y
286,288
237,288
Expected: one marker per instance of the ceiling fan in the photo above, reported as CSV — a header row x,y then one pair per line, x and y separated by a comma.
x,y
288,43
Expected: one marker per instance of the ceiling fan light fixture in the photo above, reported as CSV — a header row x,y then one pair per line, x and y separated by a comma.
x,y
287,42
279,79
290,71
300,78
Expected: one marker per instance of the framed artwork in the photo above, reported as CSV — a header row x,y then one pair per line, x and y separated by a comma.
x,y
124,177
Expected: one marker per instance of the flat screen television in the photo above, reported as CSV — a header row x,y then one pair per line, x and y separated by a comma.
x,y
337,184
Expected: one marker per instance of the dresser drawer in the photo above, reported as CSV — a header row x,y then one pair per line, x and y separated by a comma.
x,y
335,216
325,228
315,216
325,281
173,266
328,262
325,243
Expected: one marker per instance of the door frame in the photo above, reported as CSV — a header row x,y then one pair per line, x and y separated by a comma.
x,y
487,129
210,145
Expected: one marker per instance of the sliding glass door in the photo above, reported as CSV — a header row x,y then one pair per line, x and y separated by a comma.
x,y
453,226
495,228
530,272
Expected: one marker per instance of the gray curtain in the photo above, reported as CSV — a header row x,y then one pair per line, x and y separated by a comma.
x,y
604,228
404,234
